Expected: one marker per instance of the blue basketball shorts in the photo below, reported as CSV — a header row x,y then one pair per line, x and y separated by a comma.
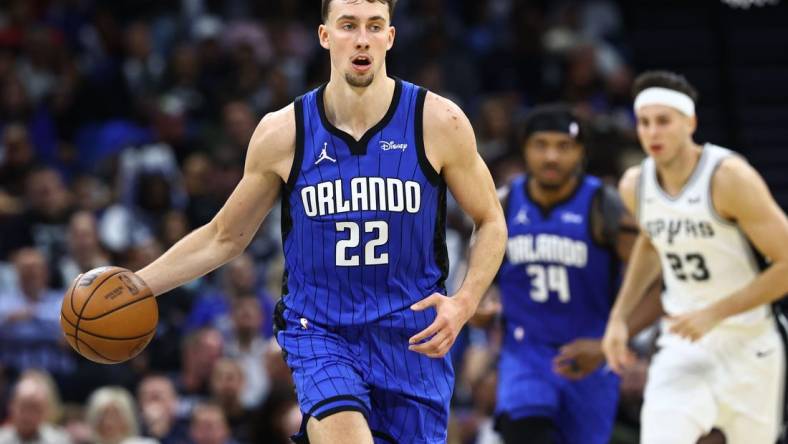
x,y
403,395
582,411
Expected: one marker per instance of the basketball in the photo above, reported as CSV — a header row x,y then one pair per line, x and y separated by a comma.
x,y
109,315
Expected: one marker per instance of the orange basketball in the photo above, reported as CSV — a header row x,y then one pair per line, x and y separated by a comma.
x,y
109,315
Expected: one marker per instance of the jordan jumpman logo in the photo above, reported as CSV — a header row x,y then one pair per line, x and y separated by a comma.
x,y
324,155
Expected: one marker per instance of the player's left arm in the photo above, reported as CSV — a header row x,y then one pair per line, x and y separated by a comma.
x,y
613,227
741,195
450,145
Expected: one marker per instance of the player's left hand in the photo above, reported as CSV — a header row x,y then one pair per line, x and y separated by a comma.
x,y
579,358
452,314
693,325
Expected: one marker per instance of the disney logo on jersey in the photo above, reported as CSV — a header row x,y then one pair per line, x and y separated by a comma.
x,y
388,145
673,228
571,218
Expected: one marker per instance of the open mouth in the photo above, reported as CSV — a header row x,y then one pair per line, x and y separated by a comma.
x,y
361,61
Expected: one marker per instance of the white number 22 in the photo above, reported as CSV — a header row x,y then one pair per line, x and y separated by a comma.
x,y
545,279
370,258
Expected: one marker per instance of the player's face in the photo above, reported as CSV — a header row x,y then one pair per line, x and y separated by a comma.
x,y
357,34
663,131
552,158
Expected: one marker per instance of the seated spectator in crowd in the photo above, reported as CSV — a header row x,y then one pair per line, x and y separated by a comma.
x,y
213,308
227,387
158,404
32,410
111,415
30,334
75,424
84,249
279,417
200,351
45,221
209,426
248,346
18,159
149,185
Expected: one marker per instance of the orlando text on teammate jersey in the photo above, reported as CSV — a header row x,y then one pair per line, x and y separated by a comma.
x,y
547,248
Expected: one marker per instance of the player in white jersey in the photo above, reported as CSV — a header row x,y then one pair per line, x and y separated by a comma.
x,y
706,215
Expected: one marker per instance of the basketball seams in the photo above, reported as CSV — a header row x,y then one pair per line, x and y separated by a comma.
x,y
110,338
108,360
85,304
93,318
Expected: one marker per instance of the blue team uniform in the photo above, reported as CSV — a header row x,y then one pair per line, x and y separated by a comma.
x,y
557,284
364,238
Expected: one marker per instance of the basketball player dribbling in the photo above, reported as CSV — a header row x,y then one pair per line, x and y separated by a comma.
x,y
363,164
706,218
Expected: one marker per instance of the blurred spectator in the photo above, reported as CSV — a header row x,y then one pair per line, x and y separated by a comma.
x,y
279,417
174,226
494,129
84,250
200,351
249,347
214,307
30,334
197,177
158,405
143,69
90,193
227,387
44,223
111,415
148,183
75,424
17,159
37,67
209,426
14,102
184,81
32,409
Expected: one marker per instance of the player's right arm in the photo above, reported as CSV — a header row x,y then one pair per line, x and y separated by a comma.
x,y
268,161
643,269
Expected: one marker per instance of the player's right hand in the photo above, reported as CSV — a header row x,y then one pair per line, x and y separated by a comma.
x,y
614,345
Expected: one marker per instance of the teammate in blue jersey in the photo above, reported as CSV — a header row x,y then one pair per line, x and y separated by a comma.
x,y
362,165
567,235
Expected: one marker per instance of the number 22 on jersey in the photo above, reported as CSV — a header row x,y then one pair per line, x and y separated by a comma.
x,y
371,257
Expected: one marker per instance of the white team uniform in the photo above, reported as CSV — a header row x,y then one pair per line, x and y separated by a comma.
x,y
732,378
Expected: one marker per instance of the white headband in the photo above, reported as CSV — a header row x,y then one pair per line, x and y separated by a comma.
x,y
666,97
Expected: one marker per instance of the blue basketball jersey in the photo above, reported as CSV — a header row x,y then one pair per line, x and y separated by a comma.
x,y
556,282
363,222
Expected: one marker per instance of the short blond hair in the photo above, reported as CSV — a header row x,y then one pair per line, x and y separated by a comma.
x,y
47,384
112,396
